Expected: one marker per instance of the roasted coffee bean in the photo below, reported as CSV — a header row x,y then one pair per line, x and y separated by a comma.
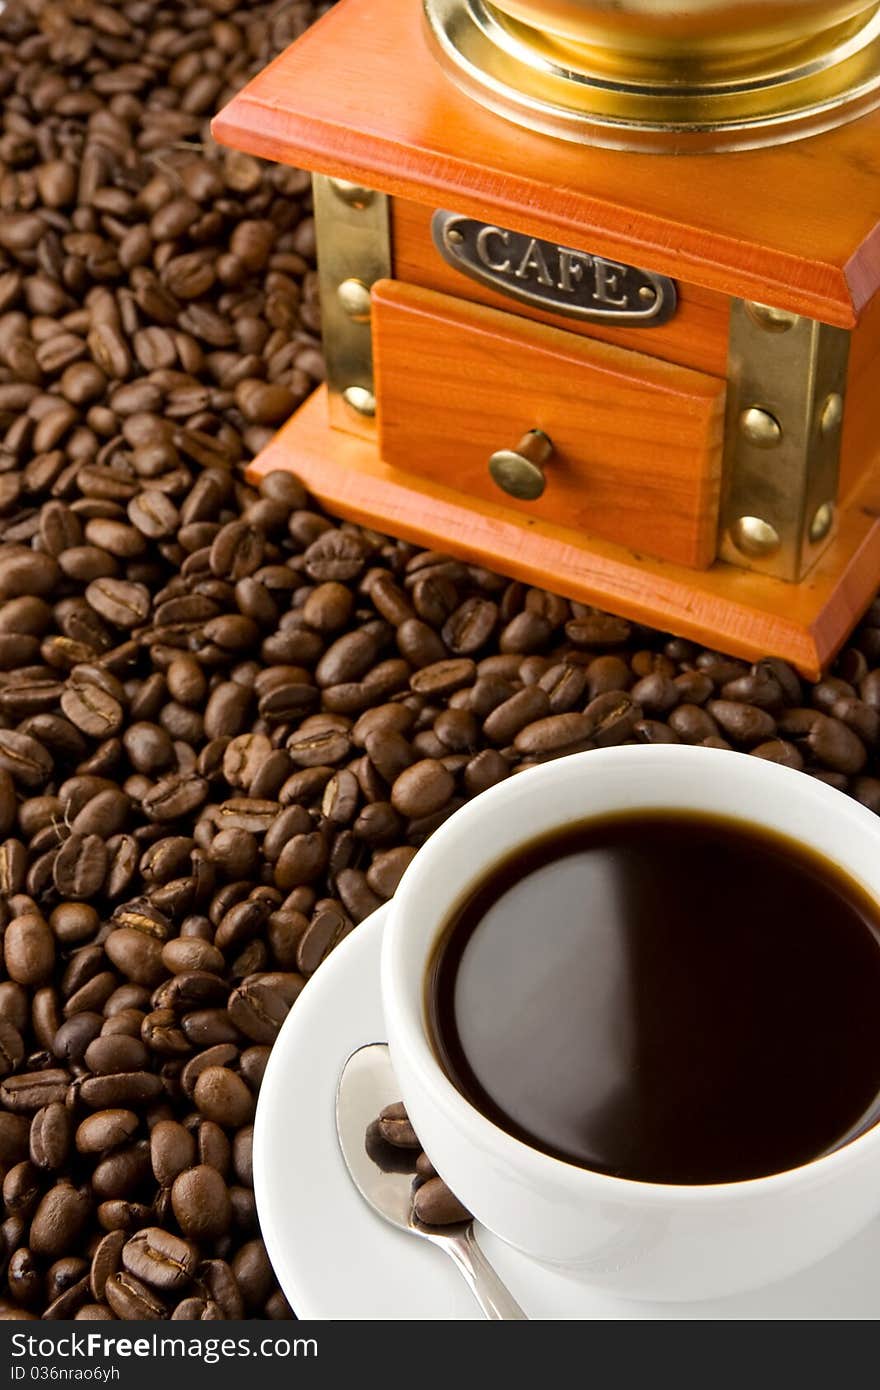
x,y
160,1259
116,1053
122,1173
106,1129
559,733
25,759
50,1137
200,1200
394,1126
222,1096
435,1205
119,601
11,1047
172,1150
422,788
80,866
59,1220
29,949
745,724
25,1277
14,1132
326,929
105,1262
92,710
261,1003
26,1092
121,1089
137,955
130,1299
72,923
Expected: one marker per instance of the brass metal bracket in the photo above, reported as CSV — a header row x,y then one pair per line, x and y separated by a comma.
x,y
785,403
353,231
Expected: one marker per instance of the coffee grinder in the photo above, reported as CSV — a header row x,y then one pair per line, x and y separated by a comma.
x,y
599,293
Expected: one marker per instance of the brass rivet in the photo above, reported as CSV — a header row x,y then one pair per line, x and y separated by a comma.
x,y
354,296
519,472
352,193
755,537
822,522
760,428
772,320
361,400
647,295
455,237
832,414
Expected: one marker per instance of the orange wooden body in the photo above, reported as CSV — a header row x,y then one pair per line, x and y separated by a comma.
x,y
797,227
635,439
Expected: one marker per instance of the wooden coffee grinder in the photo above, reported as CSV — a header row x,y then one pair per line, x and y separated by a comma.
x,y
600,297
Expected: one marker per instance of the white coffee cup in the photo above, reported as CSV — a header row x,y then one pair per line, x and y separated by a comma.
x,y
639,1240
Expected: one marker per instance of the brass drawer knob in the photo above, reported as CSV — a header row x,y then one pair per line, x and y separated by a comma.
x,y
519,472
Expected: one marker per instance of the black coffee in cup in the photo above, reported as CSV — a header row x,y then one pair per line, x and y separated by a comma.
x,y
665,997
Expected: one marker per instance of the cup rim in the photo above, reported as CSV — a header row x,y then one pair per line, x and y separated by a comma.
x,y
476,1128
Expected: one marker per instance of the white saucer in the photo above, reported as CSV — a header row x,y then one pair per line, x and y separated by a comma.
x,y
335,1259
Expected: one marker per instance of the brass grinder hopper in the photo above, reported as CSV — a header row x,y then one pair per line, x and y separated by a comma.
x,y
599,290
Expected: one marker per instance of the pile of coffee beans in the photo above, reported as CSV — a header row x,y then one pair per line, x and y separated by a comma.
x,y
227,721
394,1146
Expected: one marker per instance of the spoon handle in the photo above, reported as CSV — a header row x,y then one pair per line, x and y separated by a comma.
x,y
496,1301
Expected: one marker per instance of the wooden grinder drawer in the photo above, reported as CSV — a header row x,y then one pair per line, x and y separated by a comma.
x,y
637,442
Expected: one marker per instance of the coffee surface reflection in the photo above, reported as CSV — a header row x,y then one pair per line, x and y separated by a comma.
x,y
666,998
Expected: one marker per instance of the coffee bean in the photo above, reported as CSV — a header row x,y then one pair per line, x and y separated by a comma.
x,y
25,759
29,950
223,1097
80,866
92,710
744,724
120,1089
301,860
130,1299
598,630
422,788
50,1137
11,1047
106,1129
105,1262
160,1259
59,1220
614,715
559,733
435,1205
326,929
26,572
200,1201
336,555
260,1004
14,1132
523,708
394,1126
137,955
28,1091
120,602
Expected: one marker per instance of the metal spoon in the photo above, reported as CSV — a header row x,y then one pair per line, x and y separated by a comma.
x,y
366,1086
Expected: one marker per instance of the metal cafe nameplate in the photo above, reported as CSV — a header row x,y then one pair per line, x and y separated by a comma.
x,y
551,277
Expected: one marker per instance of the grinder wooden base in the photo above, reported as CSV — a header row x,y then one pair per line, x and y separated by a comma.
x,y
724,607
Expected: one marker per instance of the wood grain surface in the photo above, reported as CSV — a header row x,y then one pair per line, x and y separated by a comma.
x,y
696,335
732,610
360,96
637,441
